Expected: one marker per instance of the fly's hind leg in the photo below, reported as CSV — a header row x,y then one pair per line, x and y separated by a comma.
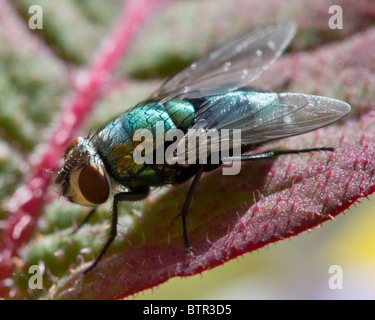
x,y
272,154
133,195
185,208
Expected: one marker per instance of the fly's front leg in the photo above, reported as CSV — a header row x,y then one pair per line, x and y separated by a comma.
x,y
87,218
134,195
271,154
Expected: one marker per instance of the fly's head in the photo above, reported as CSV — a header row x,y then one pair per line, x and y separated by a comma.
x,y
83,177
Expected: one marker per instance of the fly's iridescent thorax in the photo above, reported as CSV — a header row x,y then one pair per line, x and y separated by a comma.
x,y
83,177
116,144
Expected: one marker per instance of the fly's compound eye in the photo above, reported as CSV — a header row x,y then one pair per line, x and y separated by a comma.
x,y
93,184
87,186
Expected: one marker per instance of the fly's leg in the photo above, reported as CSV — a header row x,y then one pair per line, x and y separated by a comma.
x,y
185,208
87,218
134,195
272,154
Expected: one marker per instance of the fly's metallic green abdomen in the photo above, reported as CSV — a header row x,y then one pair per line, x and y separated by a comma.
x,y
115,143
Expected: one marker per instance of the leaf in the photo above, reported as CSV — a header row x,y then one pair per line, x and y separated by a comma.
x,y
230,215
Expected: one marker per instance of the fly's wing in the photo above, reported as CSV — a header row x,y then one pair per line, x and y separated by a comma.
x,y
233,65
288,115
260,116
